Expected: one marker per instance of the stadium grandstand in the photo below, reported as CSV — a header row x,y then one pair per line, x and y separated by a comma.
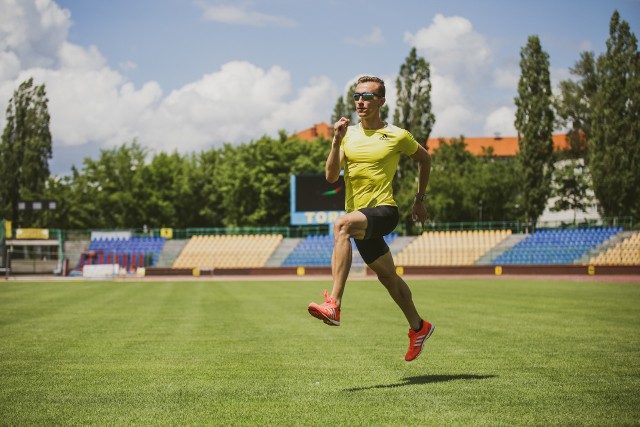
x,y
209,252
451,247
287,249
130,253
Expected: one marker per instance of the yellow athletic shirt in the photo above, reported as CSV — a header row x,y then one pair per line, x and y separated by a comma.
x,y
371,160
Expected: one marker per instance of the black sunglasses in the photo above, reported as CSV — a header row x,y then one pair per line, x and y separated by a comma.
x,y
367,96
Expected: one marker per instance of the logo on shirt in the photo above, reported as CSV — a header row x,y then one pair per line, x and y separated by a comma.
x,y
384,137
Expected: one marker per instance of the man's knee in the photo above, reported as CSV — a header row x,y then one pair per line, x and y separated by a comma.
x,y
348,226
341,223
341,227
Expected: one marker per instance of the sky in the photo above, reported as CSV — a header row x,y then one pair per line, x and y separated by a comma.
x,y
191,75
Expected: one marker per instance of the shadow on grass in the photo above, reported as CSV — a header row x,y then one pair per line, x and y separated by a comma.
x,y
425,379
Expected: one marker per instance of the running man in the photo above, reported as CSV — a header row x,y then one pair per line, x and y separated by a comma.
x,y
369,152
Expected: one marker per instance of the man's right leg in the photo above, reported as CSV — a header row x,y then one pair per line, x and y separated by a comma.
x,y
353,224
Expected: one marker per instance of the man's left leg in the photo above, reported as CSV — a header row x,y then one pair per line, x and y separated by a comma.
x,y
420,330
385,268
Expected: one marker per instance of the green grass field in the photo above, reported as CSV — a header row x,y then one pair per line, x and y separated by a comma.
x,y
505,352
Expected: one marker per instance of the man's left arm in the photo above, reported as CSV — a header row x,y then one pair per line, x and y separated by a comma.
x,y
419,212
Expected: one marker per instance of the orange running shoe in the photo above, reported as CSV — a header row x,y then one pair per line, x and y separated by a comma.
x,y
417,339
328,311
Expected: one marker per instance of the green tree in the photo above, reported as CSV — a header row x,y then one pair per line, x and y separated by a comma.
x,y
615,127
571,187
534,123
470,188
254,179
452,171
345,106
210,210
110,192
25,150
413,105
575,103
340,110
413,113
172,185
120,189
58,189
493,187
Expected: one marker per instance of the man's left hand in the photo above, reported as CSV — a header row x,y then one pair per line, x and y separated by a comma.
x,y
419,212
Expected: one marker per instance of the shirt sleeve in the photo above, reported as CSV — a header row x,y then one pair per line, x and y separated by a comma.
x,y
407,144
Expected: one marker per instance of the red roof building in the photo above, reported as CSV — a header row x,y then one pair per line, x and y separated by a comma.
x,y
320,129
502,146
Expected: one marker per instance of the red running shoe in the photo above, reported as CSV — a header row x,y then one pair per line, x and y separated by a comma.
x,y
417,339
328,311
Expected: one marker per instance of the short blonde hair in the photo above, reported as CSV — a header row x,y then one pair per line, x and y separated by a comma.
x,y
374,79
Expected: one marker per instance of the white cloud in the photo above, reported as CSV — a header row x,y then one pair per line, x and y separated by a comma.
x,y
506,78
464,77
585,45
557,75
91,103
9,65
500,121
451,44
240,14
88,101
237,103
374,38
128,65
33,31
453,114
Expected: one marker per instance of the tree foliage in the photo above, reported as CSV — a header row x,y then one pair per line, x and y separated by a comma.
x,y
413,113
464,187
413,104
614,143
244,185
345,107
25,150
571,187
575,103
534,123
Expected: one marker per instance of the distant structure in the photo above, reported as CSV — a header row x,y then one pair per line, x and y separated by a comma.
x,y
503,146
319,129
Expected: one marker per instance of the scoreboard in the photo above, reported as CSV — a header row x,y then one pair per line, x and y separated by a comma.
x,y
314,200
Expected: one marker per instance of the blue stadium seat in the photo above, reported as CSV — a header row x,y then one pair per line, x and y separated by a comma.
x,y
556,246
316,250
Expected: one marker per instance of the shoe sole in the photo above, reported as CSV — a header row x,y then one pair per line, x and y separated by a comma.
x,y
319,315
433,328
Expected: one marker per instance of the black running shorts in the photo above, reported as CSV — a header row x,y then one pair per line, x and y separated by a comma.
x,y
381,221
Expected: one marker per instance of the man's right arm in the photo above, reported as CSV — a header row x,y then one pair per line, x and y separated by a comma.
x,y
336,155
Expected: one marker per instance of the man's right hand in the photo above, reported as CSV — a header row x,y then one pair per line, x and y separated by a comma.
x,y
340,129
